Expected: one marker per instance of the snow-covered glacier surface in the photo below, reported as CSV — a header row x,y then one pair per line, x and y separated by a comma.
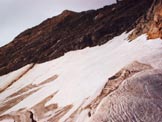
x,y
77,77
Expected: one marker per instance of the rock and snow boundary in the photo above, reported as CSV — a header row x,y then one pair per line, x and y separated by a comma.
x,y
61,89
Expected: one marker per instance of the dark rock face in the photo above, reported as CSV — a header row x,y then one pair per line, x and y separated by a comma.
x,y
71,31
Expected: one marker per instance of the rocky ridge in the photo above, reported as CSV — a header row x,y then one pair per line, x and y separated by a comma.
x,y
132,83
71,31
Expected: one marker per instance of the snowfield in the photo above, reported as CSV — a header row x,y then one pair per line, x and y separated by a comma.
x,y
80,75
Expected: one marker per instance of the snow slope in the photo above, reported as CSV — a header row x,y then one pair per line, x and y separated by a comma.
x,y
80,75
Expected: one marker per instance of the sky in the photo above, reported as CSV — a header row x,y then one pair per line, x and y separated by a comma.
x,y
18,15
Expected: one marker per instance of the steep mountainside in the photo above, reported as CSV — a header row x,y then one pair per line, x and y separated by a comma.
x,y
71,31
95,66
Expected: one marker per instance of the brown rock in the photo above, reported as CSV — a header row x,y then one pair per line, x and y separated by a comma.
x,y
70,31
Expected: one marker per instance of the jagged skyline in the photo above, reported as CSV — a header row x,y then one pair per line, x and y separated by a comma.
x,y
17,16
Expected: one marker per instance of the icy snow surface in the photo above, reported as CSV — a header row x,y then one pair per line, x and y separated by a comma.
x,y
8,120
81,74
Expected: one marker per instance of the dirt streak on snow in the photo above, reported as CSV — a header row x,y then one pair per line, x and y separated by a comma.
x,y
9,79
82,73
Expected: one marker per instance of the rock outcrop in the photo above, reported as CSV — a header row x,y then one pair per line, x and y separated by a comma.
x,y
151,23
155,30
119,81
